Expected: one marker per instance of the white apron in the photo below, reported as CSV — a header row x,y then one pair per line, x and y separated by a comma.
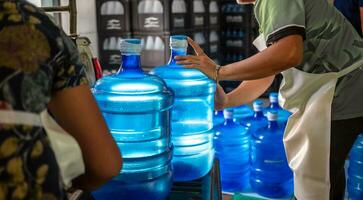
x,y
307,135
66,149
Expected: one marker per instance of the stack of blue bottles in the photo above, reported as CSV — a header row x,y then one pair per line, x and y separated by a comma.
x,y
270,174
192,115
232,143
355,170
136,107
258,120
243,112
283,115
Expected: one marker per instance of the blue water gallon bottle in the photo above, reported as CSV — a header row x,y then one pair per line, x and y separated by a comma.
x,y
257,121
270,174
218,118
232,143
283,115
242,112
355,170
192,115
136,107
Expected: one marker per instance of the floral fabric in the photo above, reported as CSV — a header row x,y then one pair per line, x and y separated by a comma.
x,y
36,60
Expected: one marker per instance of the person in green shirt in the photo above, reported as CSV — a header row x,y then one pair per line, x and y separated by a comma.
x,y
321,58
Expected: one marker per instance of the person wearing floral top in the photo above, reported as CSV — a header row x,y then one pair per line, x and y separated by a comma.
x,y
40,69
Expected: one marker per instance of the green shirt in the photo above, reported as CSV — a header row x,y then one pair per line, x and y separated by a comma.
x,y
330,45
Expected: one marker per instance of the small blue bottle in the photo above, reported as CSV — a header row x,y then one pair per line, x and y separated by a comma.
x,y
192,115
136,107
355,170
283,115
270,174
258,120
232,143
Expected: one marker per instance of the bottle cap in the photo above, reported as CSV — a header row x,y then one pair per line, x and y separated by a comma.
x,y
130,46
273,97
272,115
228,113
258,105
178,42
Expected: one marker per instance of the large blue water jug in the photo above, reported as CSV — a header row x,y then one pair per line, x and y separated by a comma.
x,y
232,143
218,118
257,121
355,171
192,115
283,115
136,107
270,174
243,112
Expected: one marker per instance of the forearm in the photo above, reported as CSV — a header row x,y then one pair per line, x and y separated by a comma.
x,y
248,91
282,55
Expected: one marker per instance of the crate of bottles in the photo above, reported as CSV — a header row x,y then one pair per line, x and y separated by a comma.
x,y
113,16
155,49
199,13
214,13
234,15
214,44
159,15
109,51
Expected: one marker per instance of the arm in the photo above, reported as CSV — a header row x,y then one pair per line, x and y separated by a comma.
x,y
361,18
281,55
76,111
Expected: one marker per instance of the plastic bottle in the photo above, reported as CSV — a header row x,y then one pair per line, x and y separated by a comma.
x,y
232,143
192,115
136,107
270,174
243,112
355,171
257,121
283,115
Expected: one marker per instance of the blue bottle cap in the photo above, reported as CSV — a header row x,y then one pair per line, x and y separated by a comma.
x,y
272,115
273,97
130,46
178,41
258,105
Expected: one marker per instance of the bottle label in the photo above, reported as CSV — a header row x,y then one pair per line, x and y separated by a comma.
x,y
151,22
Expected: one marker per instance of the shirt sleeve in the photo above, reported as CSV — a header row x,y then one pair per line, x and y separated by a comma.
x,y
69,70
360,3
280,18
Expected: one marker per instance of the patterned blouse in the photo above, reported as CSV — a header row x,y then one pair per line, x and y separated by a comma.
x,y
36,60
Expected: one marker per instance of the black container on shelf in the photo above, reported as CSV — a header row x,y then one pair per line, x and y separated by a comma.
x,y
155,50
160,15
199,13
214,13
109,51
113,16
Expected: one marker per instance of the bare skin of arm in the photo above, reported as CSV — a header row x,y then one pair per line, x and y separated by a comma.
x,y
256,72
77,112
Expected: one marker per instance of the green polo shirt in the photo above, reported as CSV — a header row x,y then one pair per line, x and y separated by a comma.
x,y
330,45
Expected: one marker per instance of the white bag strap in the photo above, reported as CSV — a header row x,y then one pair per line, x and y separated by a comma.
x,y
20,117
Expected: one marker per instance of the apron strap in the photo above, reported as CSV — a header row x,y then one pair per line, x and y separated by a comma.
x,y
350,69
20,118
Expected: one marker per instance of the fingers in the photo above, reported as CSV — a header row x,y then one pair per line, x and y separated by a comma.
x,y
188,62
199,51
188,57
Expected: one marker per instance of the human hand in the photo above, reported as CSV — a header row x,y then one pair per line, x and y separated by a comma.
x,y
200,61
220,98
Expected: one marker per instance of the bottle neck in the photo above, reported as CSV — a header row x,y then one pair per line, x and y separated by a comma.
x,y
130,63
176,52
258,114
274,105
272,125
